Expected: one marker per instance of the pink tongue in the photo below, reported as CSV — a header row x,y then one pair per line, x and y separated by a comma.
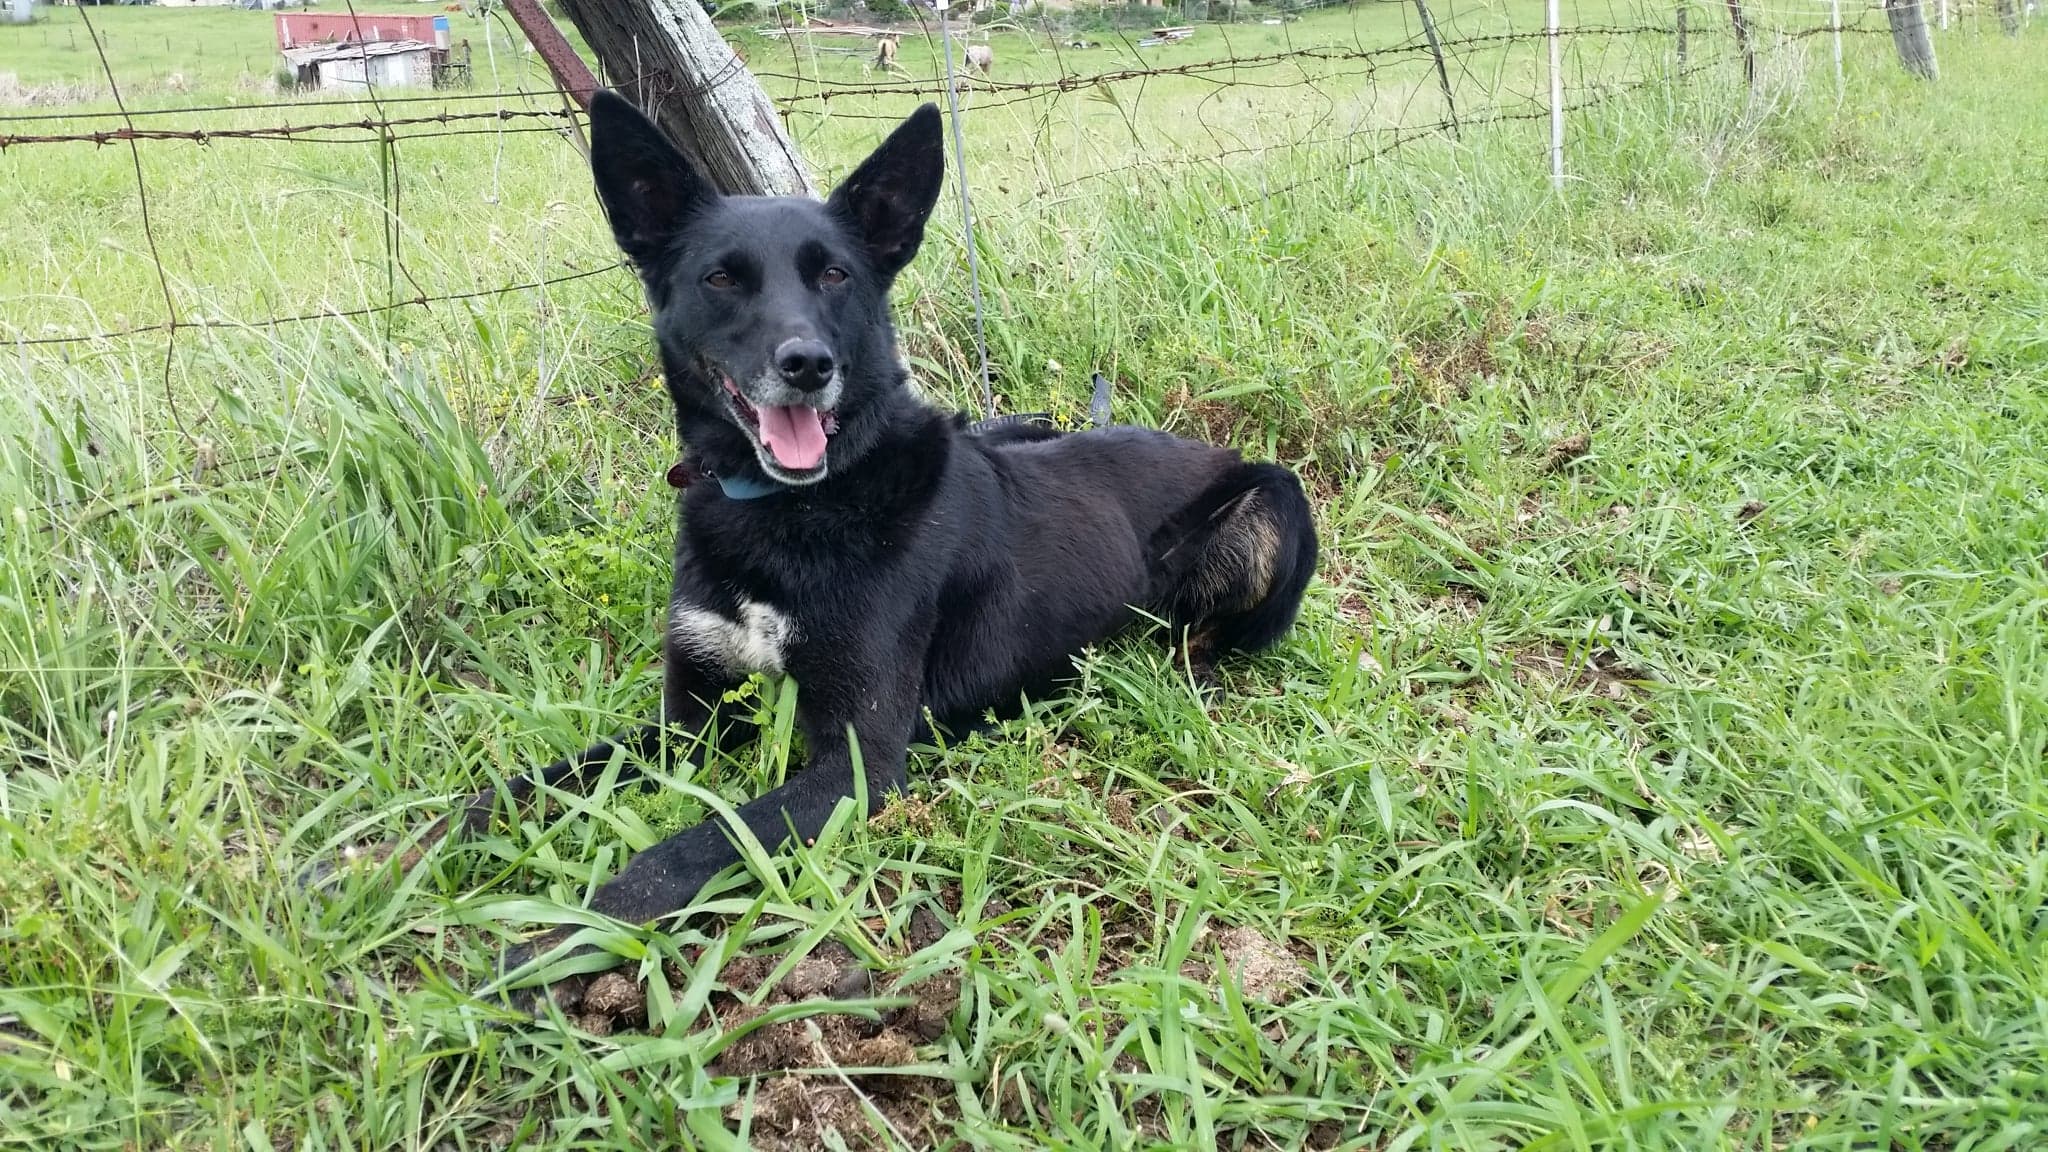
x,y
795,434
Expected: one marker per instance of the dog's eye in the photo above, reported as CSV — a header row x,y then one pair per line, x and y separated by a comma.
x,y
720,278
832,276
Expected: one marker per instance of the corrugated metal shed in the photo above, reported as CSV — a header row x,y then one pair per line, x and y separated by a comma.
x,y
304,29
353,65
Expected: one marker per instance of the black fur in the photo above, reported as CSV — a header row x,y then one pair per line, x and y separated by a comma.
x,y
919,568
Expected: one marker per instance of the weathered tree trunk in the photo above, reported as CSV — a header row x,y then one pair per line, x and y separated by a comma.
x,y
668,57
2009,17
1910,36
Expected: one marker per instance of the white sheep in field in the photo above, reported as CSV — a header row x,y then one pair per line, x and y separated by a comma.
x,y
981,57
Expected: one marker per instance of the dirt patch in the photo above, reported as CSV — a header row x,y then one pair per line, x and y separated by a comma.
x,y
1445,361
1121,808
1955,357
806,1069
1215,421
1353,606
1444,367
1600,672
1263,970
797,1112
821,1079
1325,484
1564,453
616,996
1459,602
908,814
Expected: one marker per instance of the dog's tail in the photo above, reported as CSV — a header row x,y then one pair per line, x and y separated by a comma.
x,y
1237,559
1285,507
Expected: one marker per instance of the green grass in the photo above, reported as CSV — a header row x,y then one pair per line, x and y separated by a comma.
x,y
211,48
160,54
252,229
1681,793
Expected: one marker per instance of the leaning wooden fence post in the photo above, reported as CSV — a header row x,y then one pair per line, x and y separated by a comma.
x,y
2008,16
1911,38
1556,99
668,57
1443,74
571,75
1681,38
1742,44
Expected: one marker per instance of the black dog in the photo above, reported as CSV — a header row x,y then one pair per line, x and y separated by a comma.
x,y
864,543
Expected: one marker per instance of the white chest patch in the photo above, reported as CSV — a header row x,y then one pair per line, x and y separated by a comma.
x,y
753,643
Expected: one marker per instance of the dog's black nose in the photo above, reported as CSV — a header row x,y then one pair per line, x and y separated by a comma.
x,y
806,364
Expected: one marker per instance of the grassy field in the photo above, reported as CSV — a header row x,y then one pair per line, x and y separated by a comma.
x,y
250,229
1657,765
161,53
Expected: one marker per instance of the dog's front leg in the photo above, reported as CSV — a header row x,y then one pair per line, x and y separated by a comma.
x,y
692,709
880,706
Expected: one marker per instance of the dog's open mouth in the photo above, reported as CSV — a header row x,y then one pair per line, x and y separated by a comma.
x,y
791,435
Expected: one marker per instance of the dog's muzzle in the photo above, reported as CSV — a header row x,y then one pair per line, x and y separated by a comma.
x,y
788,425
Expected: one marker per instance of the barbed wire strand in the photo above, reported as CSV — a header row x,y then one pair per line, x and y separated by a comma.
x,y
1597,80
376,127
1226,73
163,280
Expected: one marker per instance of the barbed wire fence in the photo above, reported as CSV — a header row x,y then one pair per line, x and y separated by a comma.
x,y
1063,110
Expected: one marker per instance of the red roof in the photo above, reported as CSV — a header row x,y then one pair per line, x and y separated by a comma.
x,y
298,29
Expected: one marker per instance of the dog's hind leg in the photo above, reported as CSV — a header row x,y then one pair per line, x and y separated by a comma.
x,y
1231,567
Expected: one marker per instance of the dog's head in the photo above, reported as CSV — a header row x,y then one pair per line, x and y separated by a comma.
x,y
771,313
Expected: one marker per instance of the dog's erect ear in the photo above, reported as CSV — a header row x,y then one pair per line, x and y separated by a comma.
x,y
888,198
648,189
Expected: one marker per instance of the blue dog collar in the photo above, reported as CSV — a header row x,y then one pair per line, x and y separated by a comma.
x,y
681,475
742,488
